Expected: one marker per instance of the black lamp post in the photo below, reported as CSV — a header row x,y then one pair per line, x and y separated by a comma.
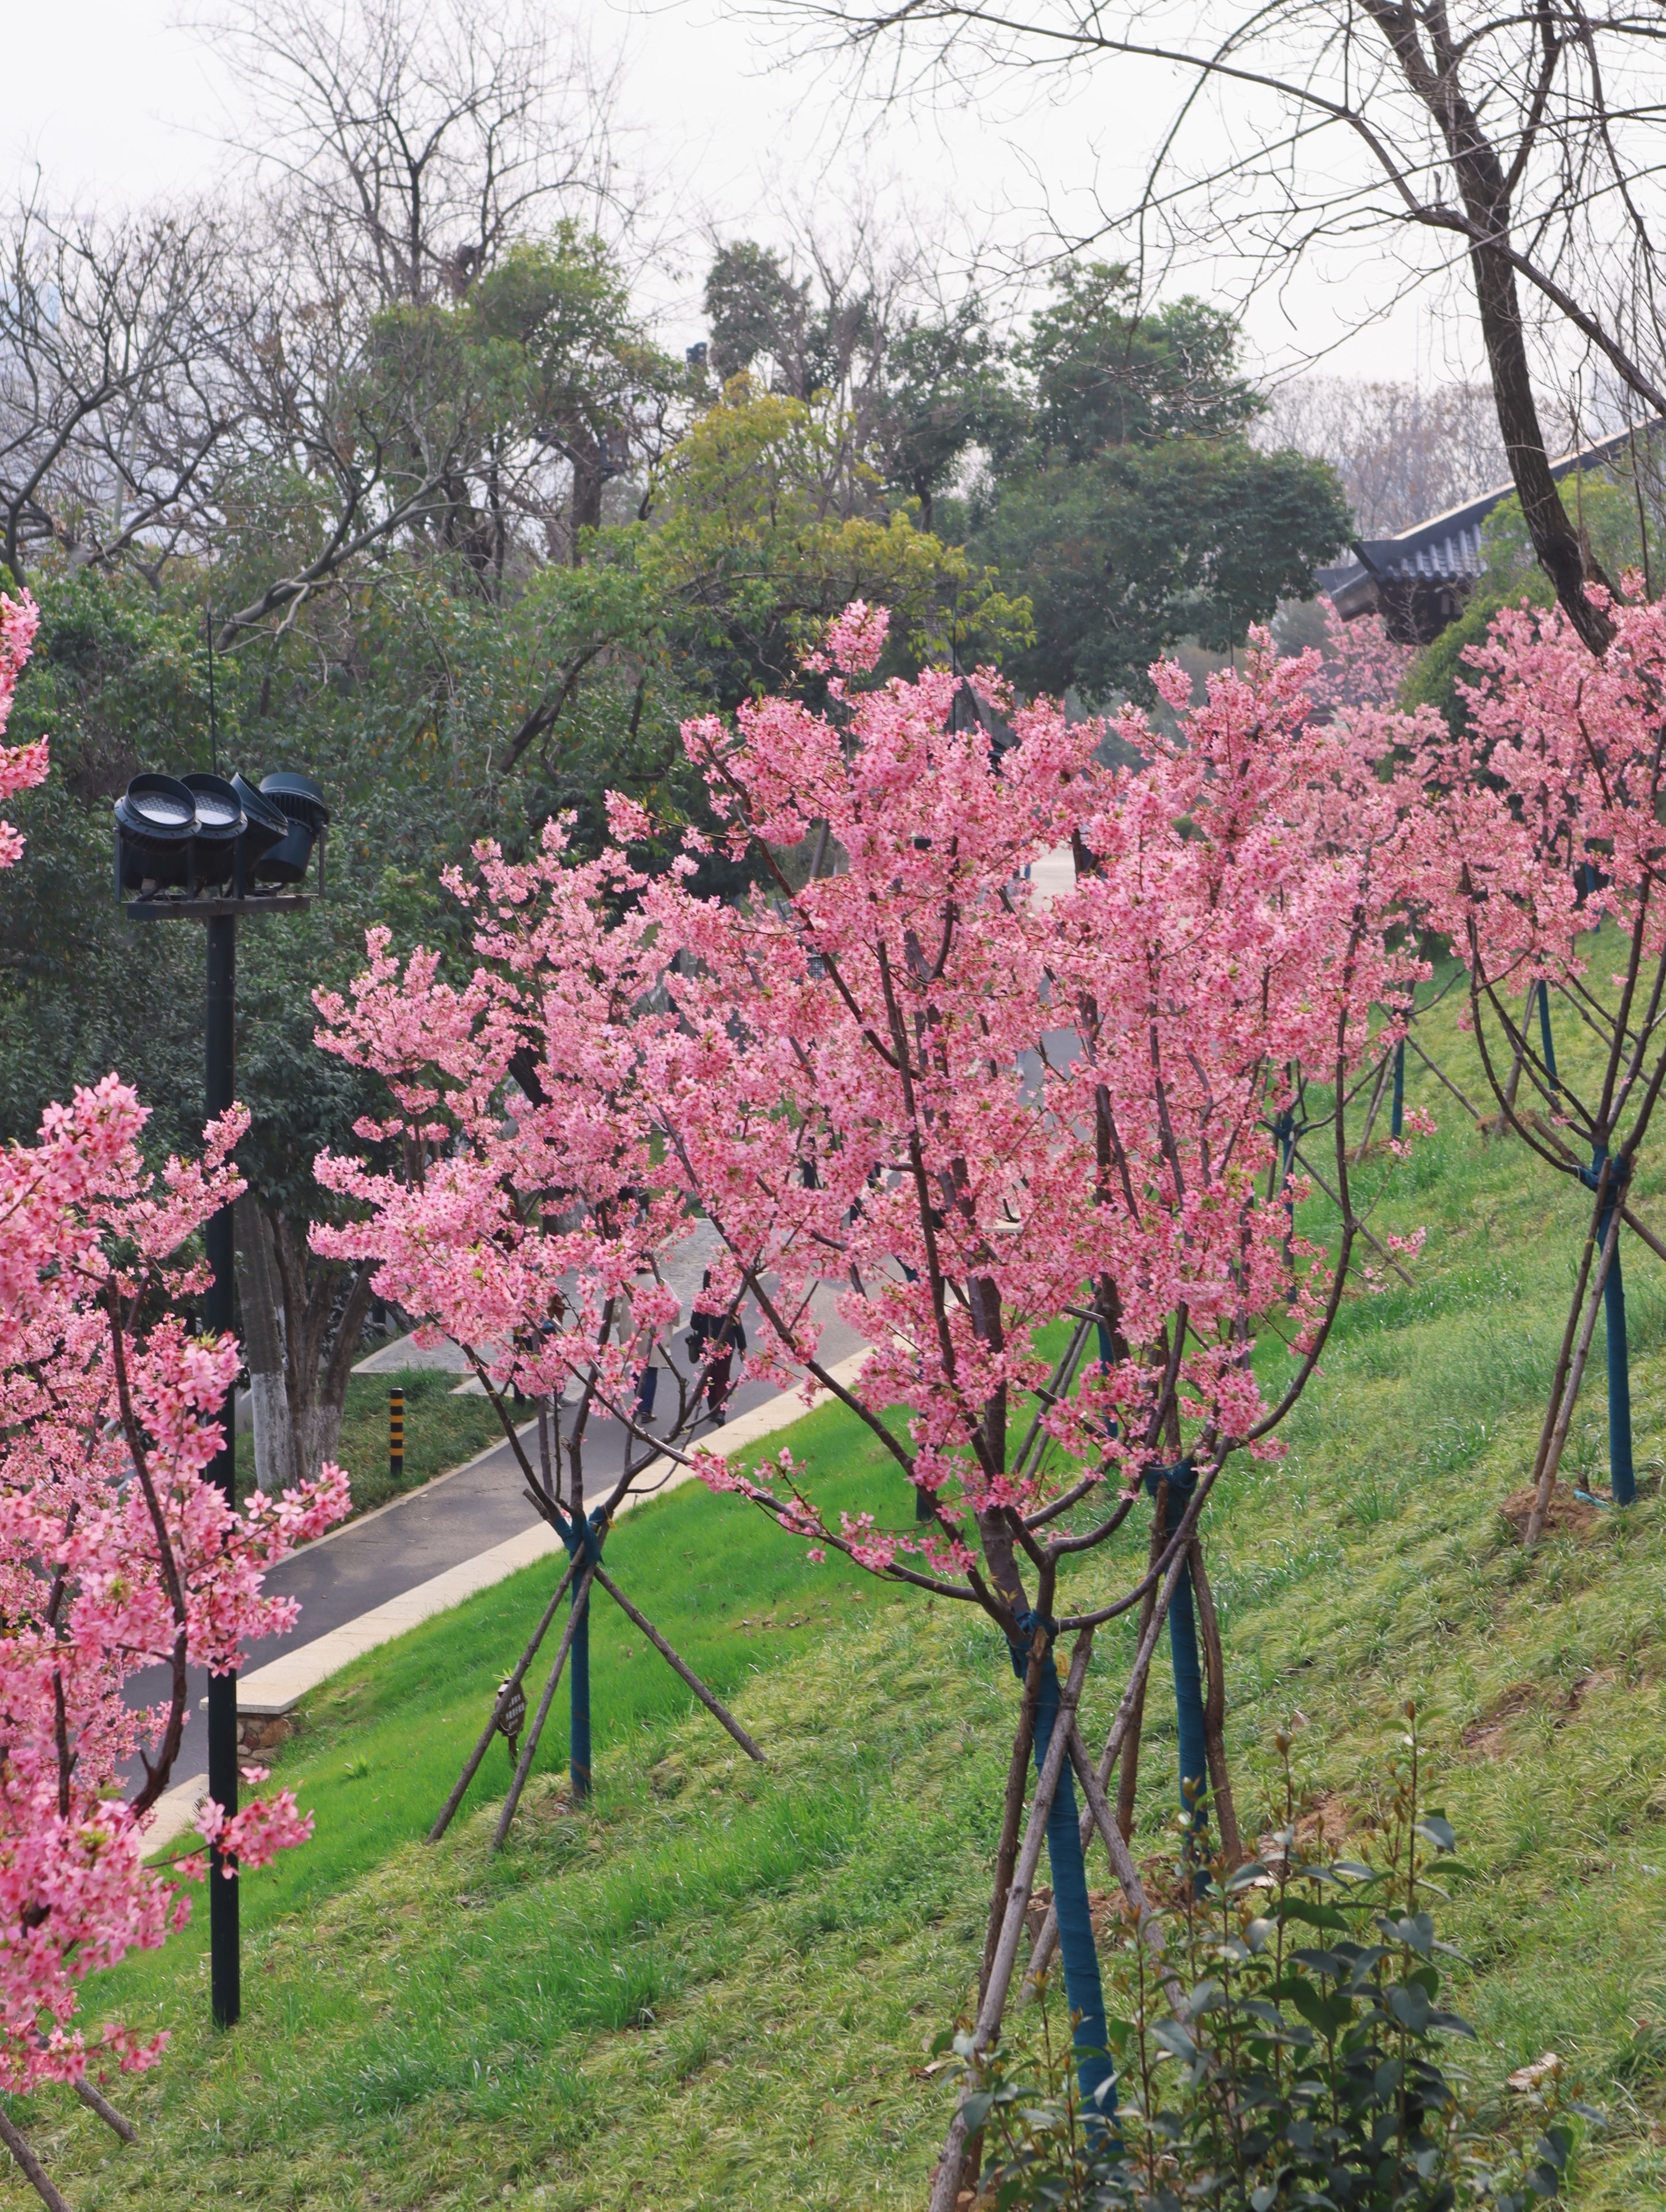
x,y
209,848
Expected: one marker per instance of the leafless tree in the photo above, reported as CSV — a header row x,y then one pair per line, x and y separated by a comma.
x,y
167,383
401,150
110,410
409,142
1524,145
1403,453
348,435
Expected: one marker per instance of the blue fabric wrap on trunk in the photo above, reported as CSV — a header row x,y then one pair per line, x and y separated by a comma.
x,y
582,1538
1622,1471
1084,1992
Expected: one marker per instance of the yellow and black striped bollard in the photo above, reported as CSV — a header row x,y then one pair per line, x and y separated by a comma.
x,y
396,1434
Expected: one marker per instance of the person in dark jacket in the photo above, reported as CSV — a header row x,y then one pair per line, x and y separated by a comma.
x,y
716,1339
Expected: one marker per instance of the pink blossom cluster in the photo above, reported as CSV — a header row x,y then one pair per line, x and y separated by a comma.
x,y
972,1109
116,1554
1558,772
1362,667
20,766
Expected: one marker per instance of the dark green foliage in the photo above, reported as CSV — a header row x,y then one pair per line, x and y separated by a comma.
x,y
755,309
1125,499
1106,374
1127,552
947,390
118,683
1309,2067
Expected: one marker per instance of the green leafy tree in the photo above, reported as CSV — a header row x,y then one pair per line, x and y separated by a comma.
x,y
1124,499
1104,374
946,390
1126,553
772,521
1608,519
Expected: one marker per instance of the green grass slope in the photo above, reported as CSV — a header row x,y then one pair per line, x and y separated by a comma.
x,y
714,1988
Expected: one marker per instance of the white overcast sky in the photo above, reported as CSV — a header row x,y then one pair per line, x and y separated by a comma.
x,y
119,104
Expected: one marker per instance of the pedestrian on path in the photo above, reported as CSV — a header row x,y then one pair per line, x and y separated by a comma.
x,y
715,1339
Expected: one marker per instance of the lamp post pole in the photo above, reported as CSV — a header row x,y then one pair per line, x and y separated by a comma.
x,y
209,848
224,1935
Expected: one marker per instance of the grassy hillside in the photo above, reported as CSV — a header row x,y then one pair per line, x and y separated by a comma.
x,y
714,1989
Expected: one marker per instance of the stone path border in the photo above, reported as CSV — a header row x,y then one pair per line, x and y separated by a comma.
x,y
269,1692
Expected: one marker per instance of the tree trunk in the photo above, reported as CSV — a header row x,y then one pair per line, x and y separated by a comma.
x,y
325,1306
258,1295
589,474
1432,73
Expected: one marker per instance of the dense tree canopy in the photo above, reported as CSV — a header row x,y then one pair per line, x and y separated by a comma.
x,y
1124,498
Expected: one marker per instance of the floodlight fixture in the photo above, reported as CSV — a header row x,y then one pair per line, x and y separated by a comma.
x,y
155,824
215,848
187,844
299,801
266,825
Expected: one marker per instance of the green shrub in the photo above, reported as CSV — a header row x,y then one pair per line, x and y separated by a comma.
x,y
1308,2067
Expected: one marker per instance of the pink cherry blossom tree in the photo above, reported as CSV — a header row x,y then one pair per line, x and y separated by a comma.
x,y
1028,1139
1362,667
20,766
1543,829
115,1553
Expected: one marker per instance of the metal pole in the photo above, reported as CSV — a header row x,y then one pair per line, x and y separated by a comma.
x,y
396,1435
225,1970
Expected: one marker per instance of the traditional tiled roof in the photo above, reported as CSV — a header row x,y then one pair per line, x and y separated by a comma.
x,y
1444,549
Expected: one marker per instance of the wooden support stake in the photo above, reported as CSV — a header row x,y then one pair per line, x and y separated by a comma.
x,y
472,1766
681,1666
525,1767
946,2187
106,2112
40,2180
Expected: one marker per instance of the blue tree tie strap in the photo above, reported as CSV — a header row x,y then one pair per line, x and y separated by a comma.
x,y
583,1539
1397,1108
1545,1038
1622,1473
1084,1991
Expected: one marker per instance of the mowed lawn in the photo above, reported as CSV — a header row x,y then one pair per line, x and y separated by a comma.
x,y
716,1987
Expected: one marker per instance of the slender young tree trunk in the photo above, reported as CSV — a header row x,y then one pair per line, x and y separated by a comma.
x,y
1018,1778
1557,1428
1519,1060
1214,1711
1127,1773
